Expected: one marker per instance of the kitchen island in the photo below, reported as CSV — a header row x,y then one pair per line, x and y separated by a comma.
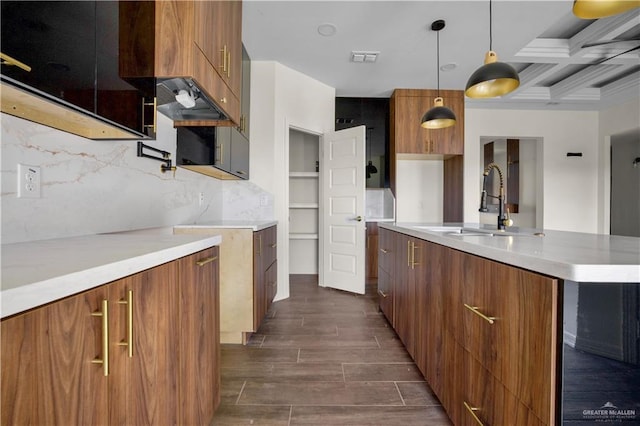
x,y
111,329
498,322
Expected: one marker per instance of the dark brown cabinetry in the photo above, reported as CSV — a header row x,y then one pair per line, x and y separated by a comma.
x,y
408,137
371,254
484,334
386,272
108,356
265,270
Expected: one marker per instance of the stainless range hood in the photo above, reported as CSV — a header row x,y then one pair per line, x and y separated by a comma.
x,y
181,99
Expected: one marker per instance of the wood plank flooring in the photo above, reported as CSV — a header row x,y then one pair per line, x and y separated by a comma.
x,y
324,357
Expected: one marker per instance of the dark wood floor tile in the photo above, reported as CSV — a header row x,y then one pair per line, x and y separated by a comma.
x,y
232,356
230,389
234,415
417,393
320,393
319,342
255,340
398,372
354,355
273,328
369,416
389,341
285,371
346,321
339,316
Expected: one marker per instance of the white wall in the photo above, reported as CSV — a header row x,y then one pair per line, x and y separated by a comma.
x,y
569,184
92,186
283,98
613,121
419,190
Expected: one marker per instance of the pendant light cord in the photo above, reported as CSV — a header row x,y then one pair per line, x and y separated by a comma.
x,y
438,60
490,27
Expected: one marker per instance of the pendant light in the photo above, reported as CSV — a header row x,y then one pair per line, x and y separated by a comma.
x,y
439,116
494,78
594,9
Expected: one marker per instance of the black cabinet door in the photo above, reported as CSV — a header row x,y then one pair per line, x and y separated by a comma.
x,y
57,40
74,51
118,99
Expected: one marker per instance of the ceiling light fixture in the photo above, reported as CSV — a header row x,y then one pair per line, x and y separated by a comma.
x,y
327,30
439,116
594,9
494,78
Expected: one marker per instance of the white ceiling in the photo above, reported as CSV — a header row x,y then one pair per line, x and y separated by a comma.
x,y
543,40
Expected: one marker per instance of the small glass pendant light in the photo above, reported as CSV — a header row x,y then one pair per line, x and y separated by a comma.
x,y
439,116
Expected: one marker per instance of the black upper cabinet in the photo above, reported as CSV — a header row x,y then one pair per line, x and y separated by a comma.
x,y
73,50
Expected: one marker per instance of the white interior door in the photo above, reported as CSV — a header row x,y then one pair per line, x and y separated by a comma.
x,y
342,212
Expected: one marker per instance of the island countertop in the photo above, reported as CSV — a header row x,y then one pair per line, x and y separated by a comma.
x,y
38,272
574,256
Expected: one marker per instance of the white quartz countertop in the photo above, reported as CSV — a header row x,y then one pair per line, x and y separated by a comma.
x,y
573,256
38,272
255,225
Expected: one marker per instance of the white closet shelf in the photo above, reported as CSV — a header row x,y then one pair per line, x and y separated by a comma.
x,y
301,236
304,174
304,205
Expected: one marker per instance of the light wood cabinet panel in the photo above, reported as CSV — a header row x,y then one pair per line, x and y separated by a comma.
x,y
243,300
200,348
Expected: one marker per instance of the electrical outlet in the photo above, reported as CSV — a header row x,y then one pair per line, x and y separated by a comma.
x,y
28,181
201,199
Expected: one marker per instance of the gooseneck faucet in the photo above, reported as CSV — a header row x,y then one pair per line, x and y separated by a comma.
x,y
503,221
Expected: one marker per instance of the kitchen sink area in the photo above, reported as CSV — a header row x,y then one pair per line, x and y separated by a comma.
x,y
480,231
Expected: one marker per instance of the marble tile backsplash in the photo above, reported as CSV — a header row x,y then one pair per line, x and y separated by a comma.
x,y
90,187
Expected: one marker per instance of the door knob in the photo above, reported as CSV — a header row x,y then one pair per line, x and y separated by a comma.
x,y
359,218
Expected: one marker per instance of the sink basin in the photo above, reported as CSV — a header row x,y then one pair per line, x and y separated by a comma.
x,y
456,229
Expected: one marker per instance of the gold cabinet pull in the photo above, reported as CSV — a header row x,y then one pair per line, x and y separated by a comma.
x,y
129,304
473,410
8,60
475,310
207,260
105,337
153,126
223,51
413,256
408,253
382,293
384,251
228,63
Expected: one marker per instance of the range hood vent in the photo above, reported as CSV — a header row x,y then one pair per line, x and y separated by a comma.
x,y
204,108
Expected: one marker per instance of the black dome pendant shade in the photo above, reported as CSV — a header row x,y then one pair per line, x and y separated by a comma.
x,y
439,116
494,78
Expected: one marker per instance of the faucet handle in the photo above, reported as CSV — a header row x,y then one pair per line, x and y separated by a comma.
x,y
508,221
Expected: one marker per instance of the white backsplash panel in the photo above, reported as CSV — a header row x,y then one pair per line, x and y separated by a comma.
x,y
90,187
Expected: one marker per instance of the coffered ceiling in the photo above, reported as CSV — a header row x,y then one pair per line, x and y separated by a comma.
x,y
552,50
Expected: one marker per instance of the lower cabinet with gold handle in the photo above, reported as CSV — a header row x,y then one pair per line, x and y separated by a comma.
x,y
84,360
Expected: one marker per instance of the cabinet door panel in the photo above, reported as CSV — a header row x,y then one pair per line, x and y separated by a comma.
x,y
371,258
199,343
239,154
154,366
19,369
71,389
